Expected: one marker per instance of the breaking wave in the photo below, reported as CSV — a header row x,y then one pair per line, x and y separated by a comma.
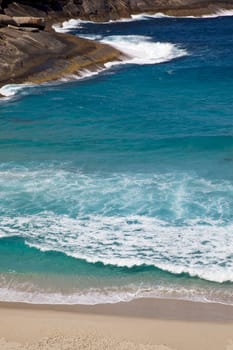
x,y
175,222
138,50
142,50
198,250
74,24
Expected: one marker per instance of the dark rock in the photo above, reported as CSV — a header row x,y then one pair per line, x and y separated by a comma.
x,y
115,9
21,9
104,10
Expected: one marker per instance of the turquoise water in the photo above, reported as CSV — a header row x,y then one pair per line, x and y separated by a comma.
x,y
121,185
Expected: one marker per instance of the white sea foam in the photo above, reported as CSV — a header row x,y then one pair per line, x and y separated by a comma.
x,y
142,50
88,298
115,220
94,298
73,24
14,291
219,13
138,50
69,25
11,90
176,222
199,250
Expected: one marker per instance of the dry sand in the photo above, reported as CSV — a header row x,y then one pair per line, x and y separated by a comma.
x,y
142,324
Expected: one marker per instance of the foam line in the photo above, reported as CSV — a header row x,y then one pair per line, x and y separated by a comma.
x,y
14,291
73,24
122,239
113,217
11,91
139,50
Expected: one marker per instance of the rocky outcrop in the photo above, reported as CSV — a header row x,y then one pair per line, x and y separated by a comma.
x,y
34,22
103,10
28,54
42,56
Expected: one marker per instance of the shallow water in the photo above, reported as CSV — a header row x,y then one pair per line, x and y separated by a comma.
x,y
121,186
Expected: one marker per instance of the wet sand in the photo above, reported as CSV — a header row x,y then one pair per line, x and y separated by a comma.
x,y
140,324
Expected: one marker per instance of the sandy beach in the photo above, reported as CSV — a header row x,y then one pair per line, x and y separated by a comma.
x,y
141,324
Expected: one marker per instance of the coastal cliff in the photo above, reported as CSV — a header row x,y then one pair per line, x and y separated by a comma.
x,y
105,10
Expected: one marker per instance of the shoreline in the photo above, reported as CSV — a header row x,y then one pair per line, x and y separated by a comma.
x,y
49,56
209,11
146,308
139,325
40,57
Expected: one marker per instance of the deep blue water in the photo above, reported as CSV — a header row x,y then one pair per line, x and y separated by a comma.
x,y
121,185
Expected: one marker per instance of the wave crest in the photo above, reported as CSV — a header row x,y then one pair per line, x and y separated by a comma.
x,y
142,50
198,250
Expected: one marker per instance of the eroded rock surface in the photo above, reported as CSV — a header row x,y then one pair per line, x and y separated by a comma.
x,y
32,55
43,56
104,10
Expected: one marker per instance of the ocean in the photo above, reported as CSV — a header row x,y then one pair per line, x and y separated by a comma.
x,y
119,185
